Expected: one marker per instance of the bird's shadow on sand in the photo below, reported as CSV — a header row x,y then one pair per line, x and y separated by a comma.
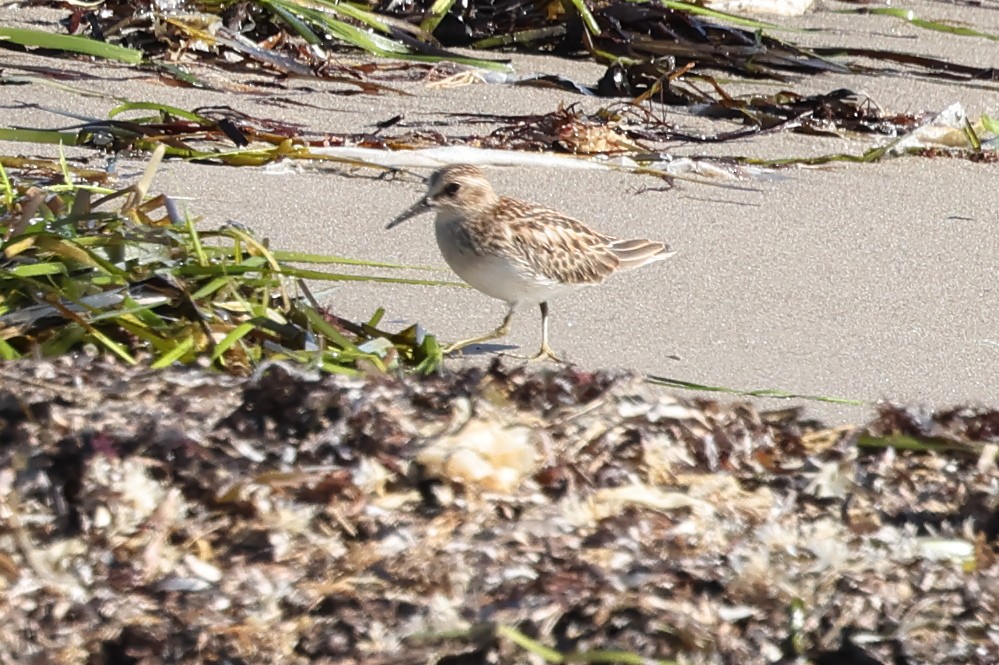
x,y
476,350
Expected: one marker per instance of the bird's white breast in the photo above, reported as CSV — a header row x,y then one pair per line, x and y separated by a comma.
x,y
502,277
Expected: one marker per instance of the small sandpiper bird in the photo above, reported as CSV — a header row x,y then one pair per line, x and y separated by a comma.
x,y
519,252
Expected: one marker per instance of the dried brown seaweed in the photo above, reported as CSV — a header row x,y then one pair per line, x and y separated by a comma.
x,y
296,518
656,54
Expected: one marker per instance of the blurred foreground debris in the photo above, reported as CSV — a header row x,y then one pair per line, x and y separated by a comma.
x,y
479,516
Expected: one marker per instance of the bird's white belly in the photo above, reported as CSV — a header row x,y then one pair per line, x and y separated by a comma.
x,y
497,276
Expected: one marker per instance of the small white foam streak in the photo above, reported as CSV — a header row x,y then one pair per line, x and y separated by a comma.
x,y
435,158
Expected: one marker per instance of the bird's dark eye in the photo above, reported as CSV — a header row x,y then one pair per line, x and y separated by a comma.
x,y
451,189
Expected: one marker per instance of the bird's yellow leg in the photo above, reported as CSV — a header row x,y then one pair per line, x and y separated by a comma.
x,y
503,329
546,352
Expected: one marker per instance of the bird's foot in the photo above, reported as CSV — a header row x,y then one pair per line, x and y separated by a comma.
x,y
545,353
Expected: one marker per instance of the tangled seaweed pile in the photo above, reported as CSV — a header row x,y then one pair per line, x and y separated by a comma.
x,y
491,515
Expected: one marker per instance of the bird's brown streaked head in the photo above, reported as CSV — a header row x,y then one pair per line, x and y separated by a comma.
x,y
457,189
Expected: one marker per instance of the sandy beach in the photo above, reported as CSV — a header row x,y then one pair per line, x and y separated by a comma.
x,y
863,282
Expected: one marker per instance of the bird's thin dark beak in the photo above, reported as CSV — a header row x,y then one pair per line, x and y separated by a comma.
x,y
418,208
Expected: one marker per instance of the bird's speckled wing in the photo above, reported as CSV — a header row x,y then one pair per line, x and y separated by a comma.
x,y
550,244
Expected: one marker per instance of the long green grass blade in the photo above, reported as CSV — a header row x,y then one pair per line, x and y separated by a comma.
x,y
376,318
112,346
698,10
38,270
918,444
530,645
8,352
234,335
164,109
178,352
320,324
764,392
57,42
199,251
298,25
355,12
321,18
333,367
212,287
438,11
72,250
42,136
289,271
161,344
586,16
305,257
8,189
909,16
